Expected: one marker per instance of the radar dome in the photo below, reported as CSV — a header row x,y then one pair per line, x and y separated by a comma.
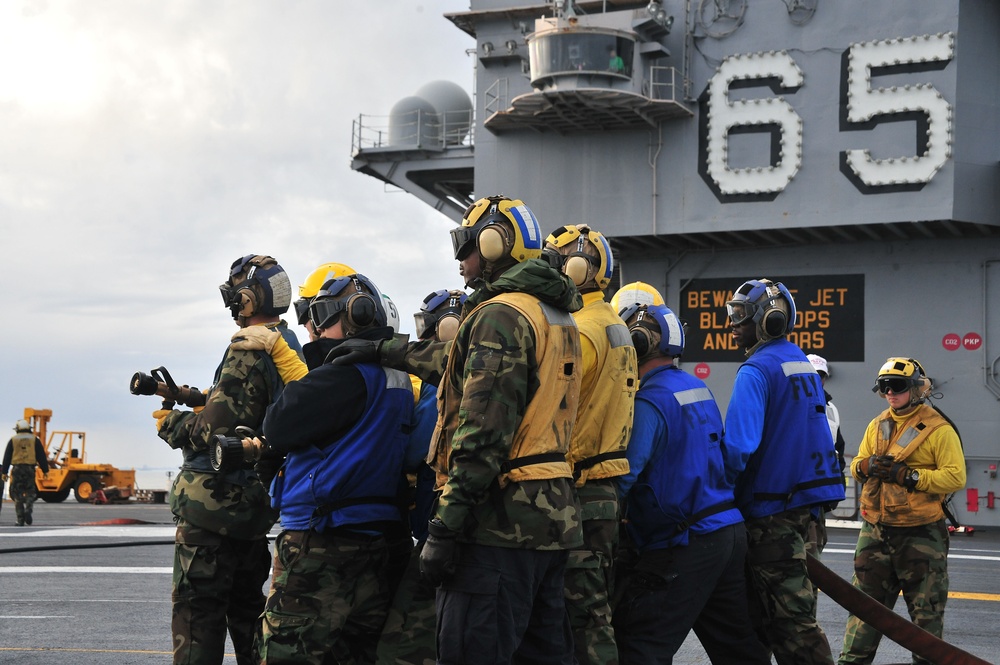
x,y
413,121
453,104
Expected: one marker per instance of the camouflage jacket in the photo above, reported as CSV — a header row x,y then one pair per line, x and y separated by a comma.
x,y
534,514
236,503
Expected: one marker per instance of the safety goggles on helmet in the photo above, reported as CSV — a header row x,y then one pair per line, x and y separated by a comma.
x,y
228,288
898,375
740,312
301,310
338,296
463,240
896,384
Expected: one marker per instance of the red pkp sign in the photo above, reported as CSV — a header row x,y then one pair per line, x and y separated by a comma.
x,y
972,341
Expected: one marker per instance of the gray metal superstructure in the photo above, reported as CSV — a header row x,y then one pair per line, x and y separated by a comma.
x,y
846,147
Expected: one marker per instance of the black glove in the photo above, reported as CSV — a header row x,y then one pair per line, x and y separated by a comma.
x,y
437,558
900,474
869,467
880,465
268,465
354,352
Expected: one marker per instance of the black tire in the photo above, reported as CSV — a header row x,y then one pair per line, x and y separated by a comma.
x,y
54,497
85,488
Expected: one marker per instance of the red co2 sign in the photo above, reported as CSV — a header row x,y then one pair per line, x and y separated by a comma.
x,y
951,342
702,370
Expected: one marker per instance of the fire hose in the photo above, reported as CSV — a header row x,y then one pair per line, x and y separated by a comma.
x,y
898,629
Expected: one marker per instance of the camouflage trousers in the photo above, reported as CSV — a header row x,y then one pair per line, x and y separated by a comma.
x,y
781,590
23,491
888,560
218,584
817,536
588,577
408,637
328,600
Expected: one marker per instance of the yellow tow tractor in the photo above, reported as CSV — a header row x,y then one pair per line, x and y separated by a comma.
x,y
68,468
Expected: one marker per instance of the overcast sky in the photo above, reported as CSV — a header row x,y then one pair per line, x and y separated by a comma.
x,y
144,145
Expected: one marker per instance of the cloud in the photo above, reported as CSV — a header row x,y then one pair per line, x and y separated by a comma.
x,y
145,145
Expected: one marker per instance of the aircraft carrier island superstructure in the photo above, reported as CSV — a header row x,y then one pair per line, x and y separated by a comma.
x,y
848,148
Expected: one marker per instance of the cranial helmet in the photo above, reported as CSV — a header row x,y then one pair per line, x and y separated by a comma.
x,y
316,279
22,426
638,293
655,330
503,230
439,315
355,298
585,256
391,313
256,285
902,374
768,304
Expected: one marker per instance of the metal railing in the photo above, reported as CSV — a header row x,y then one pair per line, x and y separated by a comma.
x,y
496,98
662,83
417,129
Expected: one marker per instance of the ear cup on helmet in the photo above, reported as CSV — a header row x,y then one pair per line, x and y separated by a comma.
x,y
641,340
447,328
645,341
774,322
361,312
577,269
248,302
492,242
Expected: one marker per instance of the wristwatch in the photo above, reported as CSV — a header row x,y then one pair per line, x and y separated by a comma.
x,y
911,480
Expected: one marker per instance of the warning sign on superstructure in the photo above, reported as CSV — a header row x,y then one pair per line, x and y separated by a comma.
x,y
830,317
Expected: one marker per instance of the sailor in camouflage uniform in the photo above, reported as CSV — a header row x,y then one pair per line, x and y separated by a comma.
x,y
24,450
910,459
609,380
780,454
507,400
221,558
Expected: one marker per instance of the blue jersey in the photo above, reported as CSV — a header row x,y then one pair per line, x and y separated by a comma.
x,y
676,461
778,441
425,417
355,479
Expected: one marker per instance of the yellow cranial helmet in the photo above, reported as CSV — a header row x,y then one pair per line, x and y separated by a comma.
x,y
316,279
585,255
503,230
903,374
636,293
